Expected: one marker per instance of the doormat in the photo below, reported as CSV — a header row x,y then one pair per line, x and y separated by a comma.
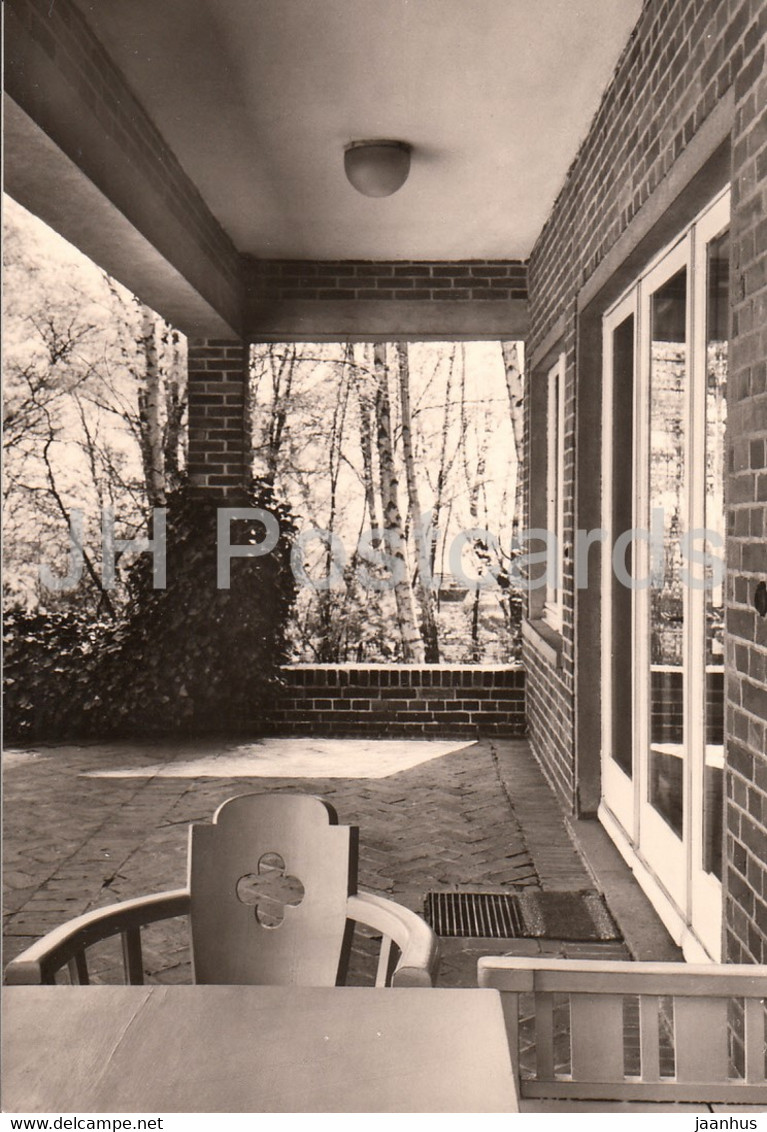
x,y
579,917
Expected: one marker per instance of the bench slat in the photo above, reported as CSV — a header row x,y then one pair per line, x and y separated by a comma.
x,y
649,1036
596,1037
622,977
544,1037
755,1040
732,1092
700,1039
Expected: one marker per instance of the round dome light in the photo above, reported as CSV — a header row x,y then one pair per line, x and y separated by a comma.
x,y
377,168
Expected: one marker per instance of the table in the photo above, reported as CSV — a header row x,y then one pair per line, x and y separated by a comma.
x,y
254,1049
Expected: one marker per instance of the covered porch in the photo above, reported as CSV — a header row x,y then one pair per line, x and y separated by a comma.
x,y
608,215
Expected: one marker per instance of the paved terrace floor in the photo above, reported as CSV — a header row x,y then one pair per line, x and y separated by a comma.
x,y
88,825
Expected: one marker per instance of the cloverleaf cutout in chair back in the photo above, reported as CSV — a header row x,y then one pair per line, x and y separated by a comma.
x,y
270,890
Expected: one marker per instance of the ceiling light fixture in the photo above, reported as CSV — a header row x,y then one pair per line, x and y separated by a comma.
x,y
377,168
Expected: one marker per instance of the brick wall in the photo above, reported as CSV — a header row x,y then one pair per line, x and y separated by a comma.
x,y
551,688
391,700
746,719
685,62
681,59
219,435
550,723
470,281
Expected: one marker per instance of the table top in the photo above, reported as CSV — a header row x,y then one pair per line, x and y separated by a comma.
x,y
254,1049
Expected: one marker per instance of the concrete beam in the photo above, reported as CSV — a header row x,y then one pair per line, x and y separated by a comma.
x,y
43,179
81,153
316,320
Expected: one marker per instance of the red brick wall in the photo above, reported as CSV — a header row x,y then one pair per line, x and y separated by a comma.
x,y
219,435
683,58
391,700
287,280
680,60
550,723
746,720
551,690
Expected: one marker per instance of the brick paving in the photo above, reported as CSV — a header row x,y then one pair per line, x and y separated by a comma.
x,y
481,817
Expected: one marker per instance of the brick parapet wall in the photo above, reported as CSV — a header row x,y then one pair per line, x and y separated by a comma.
x,y
219,435
684,60
392,700
432,280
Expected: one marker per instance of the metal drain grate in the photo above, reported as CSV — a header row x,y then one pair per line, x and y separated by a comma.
x,y
489,915
571,916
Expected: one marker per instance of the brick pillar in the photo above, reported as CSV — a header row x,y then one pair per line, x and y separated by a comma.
x,y
746,704
219,425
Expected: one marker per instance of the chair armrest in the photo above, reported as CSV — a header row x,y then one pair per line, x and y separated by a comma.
x,y
419,947
38,963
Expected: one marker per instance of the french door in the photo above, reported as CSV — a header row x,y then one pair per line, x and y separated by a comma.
x,y
664,404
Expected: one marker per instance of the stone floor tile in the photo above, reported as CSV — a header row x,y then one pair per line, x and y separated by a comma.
x,y
481,817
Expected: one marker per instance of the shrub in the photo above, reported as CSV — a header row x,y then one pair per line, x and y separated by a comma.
x,y
47,661
186,659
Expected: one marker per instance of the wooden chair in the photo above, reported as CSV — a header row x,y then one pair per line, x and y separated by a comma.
x,y
584,1031
272,899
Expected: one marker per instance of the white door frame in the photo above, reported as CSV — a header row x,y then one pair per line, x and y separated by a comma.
x,y
670,869
618,790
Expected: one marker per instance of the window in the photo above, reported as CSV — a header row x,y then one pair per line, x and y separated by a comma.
x,y
555,435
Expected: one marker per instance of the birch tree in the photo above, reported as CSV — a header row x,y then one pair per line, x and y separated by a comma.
x,y
412,644
151,431
515,387
423,551
362,437
175,405
330,636
365,390
446,460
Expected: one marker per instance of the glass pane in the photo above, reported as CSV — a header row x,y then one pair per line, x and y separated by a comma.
x,y
553,476
622,627
668,373
717,300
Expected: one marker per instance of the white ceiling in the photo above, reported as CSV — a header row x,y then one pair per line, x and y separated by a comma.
x,y
258,97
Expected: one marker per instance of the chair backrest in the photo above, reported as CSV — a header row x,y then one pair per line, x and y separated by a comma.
x,y
269,881
584,1029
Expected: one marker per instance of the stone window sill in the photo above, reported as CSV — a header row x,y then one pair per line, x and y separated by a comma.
x,y
546,641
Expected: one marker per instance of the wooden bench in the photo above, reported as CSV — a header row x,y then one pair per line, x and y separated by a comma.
x,y
588,1035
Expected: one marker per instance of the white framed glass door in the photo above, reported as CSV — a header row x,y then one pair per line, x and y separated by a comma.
x,y
665,369
711,253
661,614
